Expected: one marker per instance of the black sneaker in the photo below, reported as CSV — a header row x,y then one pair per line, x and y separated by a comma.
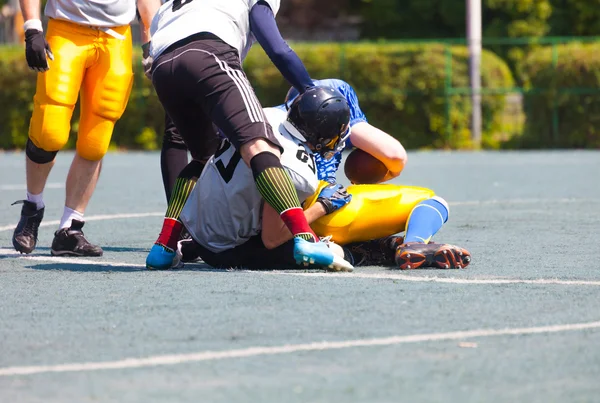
x,y
378,252
190,252
71,242
26,234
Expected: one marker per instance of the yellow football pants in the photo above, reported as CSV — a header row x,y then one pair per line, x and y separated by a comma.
x,y
95,63
375,211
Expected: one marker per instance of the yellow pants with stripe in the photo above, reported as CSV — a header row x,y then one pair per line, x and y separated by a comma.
x,y
89,61
376,211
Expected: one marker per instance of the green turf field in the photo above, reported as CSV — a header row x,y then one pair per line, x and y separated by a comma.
x,y
521,323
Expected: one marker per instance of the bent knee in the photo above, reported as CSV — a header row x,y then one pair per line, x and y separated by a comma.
x,y
50,126
92,151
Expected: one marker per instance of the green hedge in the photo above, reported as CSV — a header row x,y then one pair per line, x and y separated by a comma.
x,y
563,102
401,88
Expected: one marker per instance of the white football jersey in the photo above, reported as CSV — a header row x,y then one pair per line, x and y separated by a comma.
x,y
227,19
225,208
99,13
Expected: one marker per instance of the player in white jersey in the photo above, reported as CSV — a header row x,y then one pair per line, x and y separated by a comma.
x,y
198,47
87,50
226,214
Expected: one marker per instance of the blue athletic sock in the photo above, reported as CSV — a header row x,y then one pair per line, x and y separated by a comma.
x,y
425,220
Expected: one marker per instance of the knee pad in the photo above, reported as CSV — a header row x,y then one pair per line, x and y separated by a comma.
x,y
50,125
38,155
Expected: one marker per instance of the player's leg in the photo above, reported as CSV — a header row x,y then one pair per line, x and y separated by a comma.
x,y
173,156
367,224
425,220
56,94
104,95
235,109
252,255
199,135
376,211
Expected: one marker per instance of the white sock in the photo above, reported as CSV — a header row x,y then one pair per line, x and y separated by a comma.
x,y
37,199
69,215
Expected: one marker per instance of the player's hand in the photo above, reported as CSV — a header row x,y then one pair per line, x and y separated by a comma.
x,y
334,197
36,50
147,60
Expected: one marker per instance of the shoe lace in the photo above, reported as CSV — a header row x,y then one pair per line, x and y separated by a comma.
x,y
30,228
326,239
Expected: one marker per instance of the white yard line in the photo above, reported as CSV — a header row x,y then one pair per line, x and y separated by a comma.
x,y
521,201
451,280
102,217
175,359
355,275
51,185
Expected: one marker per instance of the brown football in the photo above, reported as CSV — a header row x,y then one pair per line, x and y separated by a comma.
x,y
362,168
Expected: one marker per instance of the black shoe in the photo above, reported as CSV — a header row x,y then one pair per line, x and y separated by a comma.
x,y
71,242
378,252
189,250
26,234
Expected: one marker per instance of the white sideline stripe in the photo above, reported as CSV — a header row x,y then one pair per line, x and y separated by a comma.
x,y
101,217
376,276
58,259
175,359
451,280
521,201
56,185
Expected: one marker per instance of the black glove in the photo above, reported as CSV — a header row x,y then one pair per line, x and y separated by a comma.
x,y
147,60
36,49
334,197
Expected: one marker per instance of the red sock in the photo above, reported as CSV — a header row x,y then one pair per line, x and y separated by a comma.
x,y
296,222
170,233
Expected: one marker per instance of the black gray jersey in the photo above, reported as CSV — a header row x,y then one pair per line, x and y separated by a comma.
x,y
225,208
227,19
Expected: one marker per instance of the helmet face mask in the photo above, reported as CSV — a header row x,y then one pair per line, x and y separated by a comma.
x,y
320,117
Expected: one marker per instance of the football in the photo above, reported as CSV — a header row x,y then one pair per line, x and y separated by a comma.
x,y
362,168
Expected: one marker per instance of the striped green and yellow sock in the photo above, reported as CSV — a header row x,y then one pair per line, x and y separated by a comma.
x,y
277,188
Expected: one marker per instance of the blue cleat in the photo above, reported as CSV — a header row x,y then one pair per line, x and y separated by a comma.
x,y
318,254
161,258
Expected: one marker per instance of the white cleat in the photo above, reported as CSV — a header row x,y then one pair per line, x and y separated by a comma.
x,y
341,264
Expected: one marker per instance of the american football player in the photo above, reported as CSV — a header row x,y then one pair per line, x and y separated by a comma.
x,y
226,213
86,50
377,212
197,50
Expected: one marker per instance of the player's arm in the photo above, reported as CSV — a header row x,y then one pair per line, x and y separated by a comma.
x,y
373,140
266,32
274,231
147,10
30,9
330,198
380,145
37,50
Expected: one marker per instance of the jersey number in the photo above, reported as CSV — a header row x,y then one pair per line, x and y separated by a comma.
x,y
227,171
177,4
307,158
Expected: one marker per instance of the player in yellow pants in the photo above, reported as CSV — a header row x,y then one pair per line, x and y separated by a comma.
x,y
86,52
374,213
89,61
